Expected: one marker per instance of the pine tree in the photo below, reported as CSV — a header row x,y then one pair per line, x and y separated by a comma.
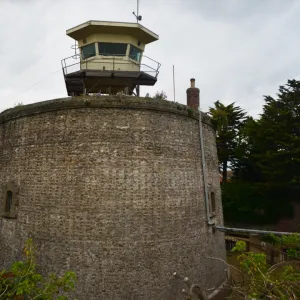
x,y
227,121
278,136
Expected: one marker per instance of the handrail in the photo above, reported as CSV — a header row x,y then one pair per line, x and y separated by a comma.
x,y
65,63
158,64
253,231
152,70
152,59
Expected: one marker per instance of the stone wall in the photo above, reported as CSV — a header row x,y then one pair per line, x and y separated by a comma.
x,y
112,188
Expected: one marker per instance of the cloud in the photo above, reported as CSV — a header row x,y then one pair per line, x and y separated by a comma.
x,y
237,50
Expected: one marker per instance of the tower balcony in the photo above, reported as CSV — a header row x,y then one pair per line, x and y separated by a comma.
x,y
87,73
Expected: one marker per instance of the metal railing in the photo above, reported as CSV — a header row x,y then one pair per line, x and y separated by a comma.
x,y
75,63
250,231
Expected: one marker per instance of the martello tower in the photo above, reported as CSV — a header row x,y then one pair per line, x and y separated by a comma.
x,y
122,190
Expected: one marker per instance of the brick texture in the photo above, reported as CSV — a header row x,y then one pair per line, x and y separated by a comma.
x,y
193,95
112,188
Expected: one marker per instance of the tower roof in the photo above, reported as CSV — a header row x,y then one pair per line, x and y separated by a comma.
x,y
90,27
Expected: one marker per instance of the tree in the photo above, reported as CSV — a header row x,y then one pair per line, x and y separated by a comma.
x,y
265,160
227,121
21,281
278,136
244,164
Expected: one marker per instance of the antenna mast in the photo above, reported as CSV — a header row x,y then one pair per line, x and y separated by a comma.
x,y
174,82
137,16
75,48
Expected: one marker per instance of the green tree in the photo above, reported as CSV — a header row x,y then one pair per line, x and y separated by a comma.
x,y
21,281
278,136
266,161
227,121
244,164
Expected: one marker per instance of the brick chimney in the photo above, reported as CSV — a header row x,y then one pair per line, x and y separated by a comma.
x,y
193,96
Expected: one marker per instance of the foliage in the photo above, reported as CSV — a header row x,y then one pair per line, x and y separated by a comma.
x,y
269,148
261,281
244,163
279,136
264,155
22,281
160,95
290,242
227,121
254,203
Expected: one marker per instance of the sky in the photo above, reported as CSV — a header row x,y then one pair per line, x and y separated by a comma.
x,y
237,50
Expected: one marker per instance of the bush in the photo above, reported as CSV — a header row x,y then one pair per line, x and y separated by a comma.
x,y
21,280
261,281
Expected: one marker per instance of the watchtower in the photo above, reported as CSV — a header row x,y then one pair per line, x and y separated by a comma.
x,y
109,59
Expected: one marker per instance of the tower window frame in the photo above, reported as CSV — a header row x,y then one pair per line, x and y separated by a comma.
x,y
135,53
10,200
212,203
88,51
112,49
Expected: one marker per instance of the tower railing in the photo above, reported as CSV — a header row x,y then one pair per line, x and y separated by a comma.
x,y
76,63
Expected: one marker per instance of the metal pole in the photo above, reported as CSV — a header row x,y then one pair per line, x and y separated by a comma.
x,y
174,82
209,222
137,11
254,231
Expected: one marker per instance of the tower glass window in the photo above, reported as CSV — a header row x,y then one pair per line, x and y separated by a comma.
x,y
8,203
135,53
88,51
112,49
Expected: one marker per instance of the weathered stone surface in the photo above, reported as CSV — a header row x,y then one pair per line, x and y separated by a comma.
x,y
112,188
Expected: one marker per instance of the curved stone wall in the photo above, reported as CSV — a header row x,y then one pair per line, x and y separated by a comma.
x,y
112,188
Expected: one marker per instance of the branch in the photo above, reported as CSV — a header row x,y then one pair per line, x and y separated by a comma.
x,y
284,263
229,265
194,289
4,291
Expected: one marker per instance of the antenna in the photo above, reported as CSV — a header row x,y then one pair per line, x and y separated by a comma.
x,y
137,16
174,81
75,48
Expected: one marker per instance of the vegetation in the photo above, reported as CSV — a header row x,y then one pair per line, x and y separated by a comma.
x,y
261,281
158,95
264,155
21,281
227,120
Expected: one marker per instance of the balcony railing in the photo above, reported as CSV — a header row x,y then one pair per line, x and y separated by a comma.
x,y
75,63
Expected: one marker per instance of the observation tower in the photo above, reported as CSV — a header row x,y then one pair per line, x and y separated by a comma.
x,y
110,60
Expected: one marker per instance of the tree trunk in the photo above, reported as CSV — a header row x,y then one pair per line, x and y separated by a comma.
x,y
224,171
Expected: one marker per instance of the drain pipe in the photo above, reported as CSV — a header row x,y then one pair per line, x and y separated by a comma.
x,y
193,100
209,221
253,231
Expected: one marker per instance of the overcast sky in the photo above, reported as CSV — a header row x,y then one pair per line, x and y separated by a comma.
x,y
238,50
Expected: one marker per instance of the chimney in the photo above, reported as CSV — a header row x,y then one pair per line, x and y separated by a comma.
x,y
193,96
